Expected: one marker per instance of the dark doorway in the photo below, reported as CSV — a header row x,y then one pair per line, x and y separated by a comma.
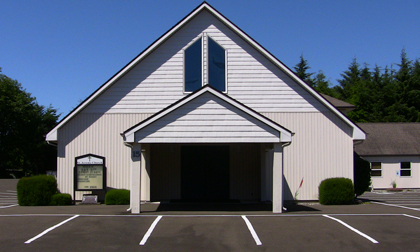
x,y
205,172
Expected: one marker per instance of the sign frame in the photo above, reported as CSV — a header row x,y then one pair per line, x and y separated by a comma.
x,y
84,161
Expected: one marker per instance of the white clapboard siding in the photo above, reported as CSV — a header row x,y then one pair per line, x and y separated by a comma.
x,y
100,135
207,119
321,148
158,80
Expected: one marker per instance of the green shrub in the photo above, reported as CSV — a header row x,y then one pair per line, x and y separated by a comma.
x,y
36,191
336,191
361,175
61,199
117,197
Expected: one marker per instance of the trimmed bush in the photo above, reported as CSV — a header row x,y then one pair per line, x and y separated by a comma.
x,y
61,199
36,191
361,175
117,197
336,191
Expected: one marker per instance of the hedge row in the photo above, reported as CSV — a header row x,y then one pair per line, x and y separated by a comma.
x,y
40,191
36,191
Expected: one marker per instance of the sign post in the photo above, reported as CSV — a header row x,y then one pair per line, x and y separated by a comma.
x,y
89,174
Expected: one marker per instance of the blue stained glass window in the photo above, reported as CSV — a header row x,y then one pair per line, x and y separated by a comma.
x,y
217,67
193,67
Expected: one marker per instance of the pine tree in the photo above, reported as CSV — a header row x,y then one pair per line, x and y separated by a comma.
x,y
301,70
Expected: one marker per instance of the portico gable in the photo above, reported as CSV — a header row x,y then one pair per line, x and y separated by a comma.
x,y
206,116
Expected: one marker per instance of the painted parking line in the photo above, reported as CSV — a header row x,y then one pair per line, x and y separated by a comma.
x,y
251,229
49,229
411,216
352,228
149,232
392,205
9,206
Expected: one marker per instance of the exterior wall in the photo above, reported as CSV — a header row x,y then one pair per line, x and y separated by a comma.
x,y
207,119
321,148
390,166
158,80
97,134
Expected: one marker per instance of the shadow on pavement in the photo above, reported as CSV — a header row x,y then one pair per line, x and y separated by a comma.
x,y
175,206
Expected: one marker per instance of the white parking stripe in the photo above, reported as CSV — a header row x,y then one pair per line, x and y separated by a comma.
x,y
9,206
415,217
251,229
149,232
51,228
352,228
410,208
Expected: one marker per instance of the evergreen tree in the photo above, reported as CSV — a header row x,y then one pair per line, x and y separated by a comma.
x,y
380,95
322,85
349,83
301,70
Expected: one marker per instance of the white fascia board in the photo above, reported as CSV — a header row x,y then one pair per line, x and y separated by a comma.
x,y
128,67
358,134
51,136
285,135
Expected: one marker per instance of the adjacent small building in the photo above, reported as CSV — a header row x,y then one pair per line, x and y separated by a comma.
x,y
393,149
205,113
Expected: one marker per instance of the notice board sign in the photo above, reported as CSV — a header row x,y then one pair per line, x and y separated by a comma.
x,y
90,173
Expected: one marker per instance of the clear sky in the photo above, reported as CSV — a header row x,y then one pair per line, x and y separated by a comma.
x,y
62,51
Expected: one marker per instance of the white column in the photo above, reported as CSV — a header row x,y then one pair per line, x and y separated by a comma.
x,y
145,172
278,178
266,172
135,179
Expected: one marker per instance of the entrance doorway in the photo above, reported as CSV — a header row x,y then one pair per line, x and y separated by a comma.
x,y
205,172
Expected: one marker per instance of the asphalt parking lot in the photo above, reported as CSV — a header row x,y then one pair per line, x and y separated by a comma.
x,y
363,227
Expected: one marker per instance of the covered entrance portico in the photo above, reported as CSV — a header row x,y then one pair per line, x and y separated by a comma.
x,y
194,149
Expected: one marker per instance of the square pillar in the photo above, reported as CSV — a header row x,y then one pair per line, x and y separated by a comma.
x,y
135,190
145,172
278,178
266,172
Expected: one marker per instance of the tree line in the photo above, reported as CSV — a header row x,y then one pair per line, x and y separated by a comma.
x,y
379,94
23,126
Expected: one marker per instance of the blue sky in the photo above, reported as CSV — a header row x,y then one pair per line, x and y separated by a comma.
x,y
62,51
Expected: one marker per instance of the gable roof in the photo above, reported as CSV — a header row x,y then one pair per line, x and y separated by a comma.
x,y
358,134
281,134
391,139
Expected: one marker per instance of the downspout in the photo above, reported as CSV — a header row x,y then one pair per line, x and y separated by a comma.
x,y
52,144
283,146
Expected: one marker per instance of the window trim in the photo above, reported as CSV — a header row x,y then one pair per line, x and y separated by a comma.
x,y
184,63
208,63
405,169
371,169
205,74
